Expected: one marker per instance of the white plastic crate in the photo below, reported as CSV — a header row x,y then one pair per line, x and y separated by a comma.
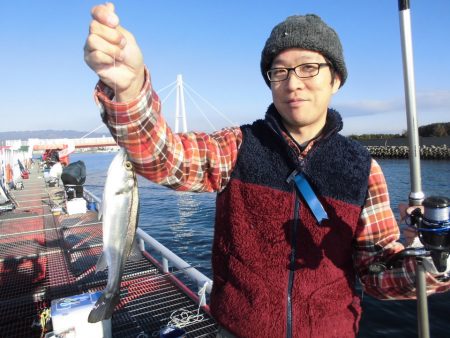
x,y
76,206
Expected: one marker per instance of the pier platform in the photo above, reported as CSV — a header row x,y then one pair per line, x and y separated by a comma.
x,y
46,254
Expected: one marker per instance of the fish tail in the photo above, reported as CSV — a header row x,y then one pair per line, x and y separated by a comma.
x,y
104,307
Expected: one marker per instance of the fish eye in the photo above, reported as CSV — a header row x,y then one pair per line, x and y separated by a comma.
x,y
128,165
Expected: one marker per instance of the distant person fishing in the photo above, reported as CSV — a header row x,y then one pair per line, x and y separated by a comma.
x,y
301,210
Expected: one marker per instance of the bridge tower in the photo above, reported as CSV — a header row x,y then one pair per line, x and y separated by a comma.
x,y
180,113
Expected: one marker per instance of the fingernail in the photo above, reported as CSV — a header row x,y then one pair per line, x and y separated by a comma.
x,y
123,42
112,20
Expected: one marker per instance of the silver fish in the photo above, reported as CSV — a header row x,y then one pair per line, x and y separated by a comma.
x,y
120,209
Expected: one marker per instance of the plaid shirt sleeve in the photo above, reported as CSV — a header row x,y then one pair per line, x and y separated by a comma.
x,y
184,161
377,240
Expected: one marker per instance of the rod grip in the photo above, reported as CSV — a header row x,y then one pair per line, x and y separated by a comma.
x,y
403,5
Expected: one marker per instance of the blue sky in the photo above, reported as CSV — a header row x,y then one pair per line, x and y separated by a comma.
x,y
216,45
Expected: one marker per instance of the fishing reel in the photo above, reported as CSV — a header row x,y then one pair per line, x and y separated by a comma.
x,y
433,227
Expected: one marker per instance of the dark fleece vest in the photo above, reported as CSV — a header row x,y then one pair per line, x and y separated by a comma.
x,y
277,272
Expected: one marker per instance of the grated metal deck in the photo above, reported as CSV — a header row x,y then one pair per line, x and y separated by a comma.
x,y
45,257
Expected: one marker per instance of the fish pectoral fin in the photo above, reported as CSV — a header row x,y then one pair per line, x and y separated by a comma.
x,y
125,189
135,253
102,264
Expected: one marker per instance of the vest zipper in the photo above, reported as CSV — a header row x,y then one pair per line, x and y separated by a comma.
x,y
292,268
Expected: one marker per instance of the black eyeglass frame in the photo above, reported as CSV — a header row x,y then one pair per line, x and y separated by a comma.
x,y
318,64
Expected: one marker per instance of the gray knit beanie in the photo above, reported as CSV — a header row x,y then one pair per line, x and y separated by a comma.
x,y
306,32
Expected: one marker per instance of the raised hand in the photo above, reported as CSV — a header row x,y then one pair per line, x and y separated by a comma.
x,y
112,52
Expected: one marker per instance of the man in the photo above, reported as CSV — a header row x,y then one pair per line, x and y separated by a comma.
x,y
301,210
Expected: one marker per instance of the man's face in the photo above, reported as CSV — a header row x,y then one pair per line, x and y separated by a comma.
x,y
303,103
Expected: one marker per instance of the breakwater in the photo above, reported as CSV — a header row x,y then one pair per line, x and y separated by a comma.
x,y
402,152
431,148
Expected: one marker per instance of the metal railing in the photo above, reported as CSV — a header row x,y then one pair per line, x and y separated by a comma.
x,y
168,257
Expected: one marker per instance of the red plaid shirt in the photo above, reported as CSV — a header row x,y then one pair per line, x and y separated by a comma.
x,y
203,162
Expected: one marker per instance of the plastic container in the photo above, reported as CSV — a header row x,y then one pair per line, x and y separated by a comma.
x,y
76,206
70,314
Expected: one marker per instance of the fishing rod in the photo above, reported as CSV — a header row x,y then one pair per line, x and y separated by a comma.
x,y
416,195
433,225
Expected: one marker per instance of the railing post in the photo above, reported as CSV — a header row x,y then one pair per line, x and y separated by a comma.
x,y
141,244
165,264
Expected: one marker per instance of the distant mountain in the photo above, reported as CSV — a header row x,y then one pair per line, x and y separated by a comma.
x,y
47,134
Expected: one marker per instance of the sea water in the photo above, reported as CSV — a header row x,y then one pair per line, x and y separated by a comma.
x,y
183,222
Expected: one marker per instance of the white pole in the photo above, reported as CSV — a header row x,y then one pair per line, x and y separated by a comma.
x,y
180,105
177,107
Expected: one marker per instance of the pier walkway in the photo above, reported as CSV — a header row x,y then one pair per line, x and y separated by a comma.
x,y
46,256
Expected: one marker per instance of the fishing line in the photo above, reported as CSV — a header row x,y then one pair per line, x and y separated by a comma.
x,y
183,317
138,140
115,98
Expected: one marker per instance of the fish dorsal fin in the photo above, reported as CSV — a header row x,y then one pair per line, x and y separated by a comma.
x,y
102,264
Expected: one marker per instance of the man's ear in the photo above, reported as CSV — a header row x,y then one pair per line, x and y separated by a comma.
x,y
336,84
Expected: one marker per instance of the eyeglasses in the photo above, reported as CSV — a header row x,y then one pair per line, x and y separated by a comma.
x,y
302,71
